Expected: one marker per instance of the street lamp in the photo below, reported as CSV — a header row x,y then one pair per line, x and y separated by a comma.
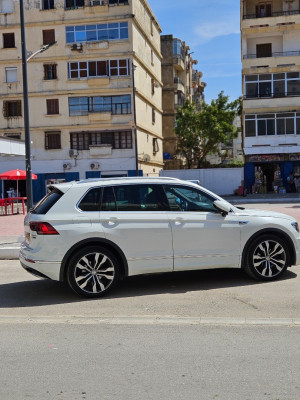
x,y
133,123
26,109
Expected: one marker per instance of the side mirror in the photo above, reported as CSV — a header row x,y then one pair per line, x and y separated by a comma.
x,y
222,206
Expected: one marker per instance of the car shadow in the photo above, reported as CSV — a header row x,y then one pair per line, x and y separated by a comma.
x,y
45,292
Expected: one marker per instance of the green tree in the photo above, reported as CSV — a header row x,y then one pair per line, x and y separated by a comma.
x,y
201,133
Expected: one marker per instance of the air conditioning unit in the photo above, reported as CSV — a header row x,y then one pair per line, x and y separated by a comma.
x,y
76,47
97,3
146,158
94,165
66,165
73,153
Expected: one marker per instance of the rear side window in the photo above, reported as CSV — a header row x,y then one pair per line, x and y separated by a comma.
x,y
47,202
90,201
134,198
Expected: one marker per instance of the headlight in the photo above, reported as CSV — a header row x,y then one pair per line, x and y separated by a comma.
x,y
295,225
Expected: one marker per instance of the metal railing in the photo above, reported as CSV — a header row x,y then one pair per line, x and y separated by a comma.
x,y
270,95
273,14
275,54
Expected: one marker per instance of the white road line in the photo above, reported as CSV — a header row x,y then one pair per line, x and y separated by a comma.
x,y
148,320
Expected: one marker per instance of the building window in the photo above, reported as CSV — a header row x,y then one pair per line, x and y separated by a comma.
x,y
272,85
263,10
117,140
48,4
50,71
52,106
8,40
52,140
13,135
92,69
155,145
272,124
11,75
48,36
12,108
92,33
98,104
70,4
152,86
152,57
264,50
153,116
118,2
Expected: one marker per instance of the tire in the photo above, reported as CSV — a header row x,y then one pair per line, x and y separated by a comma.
x,y
267,258
93,271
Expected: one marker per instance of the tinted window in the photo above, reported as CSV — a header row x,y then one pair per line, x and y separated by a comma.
x,y
90,201
47,202
134,198
184,198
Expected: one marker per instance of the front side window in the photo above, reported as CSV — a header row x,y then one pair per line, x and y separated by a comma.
x,y
184,198
145,197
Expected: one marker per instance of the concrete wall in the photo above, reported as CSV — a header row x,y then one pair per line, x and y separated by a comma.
x,y
222,181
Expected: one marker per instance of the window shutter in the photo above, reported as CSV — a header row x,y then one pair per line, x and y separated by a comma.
x,y
19,108
268,10
6,109
48,36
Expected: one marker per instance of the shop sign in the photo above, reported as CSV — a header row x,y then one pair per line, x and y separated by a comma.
x,y
295,157
266,157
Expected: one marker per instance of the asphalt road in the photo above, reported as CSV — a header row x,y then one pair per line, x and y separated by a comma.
x,y
149,362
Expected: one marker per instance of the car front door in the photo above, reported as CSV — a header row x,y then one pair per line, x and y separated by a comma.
x,y
134,217
202,237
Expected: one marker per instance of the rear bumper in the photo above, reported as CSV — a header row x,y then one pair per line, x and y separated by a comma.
x,y
43,269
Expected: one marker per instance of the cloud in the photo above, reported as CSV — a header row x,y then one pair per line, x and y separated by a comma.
x,y
210,30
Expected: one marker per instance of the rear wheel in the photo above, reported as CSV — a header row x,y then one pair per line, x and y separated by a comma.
x,y
267,258
93,271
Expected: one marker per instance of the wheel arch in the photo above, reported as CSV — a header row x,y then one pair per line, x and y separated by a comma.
x,y
112,247
274,231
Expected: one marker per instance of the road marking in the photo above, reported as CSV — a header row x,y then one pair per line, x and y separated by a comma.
x,y
148,320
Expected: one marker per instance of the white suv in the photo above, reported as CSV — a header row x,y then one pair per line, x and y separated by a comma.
x,y
92,233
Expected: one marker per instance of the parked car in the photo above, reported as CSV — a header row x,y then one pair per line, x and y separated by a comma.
x,y
93,233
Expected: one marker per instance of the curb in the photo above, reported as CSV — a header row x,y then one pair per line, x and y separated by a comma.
x,y
9,253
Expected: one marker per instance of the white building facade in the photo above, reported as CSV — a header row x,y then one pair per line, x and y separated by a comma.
x,y
270,48
90,93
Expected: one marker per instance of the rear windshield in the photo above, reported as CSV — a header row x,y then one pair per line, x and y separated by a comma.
x,y
47,202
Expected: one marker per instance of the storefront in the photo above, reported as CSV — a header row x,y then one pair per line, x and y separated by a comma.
x,y
272,173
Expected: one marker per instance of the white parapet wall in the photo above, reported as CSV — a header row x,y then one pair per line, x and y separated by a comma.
x,y
222,181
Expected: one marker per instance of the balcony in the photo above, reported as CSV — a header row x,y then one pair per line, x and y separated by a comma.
x,y
275,54
272,14
271,95
178,63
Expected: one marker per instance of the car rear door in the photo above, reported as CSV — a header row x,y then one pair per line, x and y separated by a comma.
x,y
134,217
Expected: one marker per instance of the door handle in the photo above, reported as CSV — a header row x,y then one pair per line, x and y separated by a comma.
x,y
178,221
111,221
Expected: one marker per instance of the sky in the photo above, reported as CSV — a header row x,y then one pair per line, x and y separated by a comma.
x,y
212,30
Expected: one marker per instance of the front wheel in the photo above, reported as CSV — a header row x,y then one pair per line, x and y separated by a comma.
x,y
267,258
93,271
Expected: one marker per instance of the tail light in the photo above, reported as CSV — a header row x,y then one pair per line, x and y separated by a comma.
x,y
43,228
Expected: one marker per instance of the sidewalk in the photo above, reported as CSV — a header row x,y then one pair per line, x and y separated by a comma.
x,y
12,226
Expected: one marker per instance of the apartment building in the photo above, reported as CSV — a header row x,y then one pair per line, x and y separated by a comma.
x,y
92,94
270,50
180,82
